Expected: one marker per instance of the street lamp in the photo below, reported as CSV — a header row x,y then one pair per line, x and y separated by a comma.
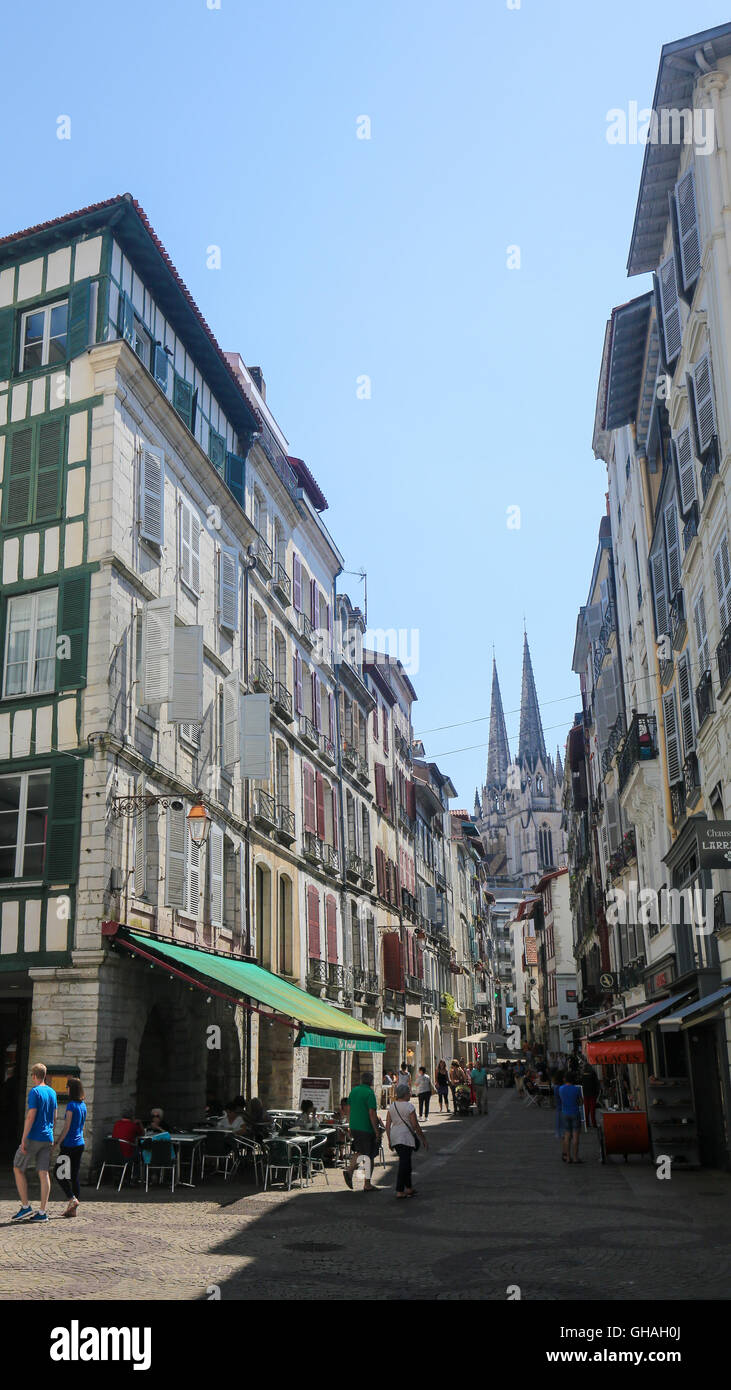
x,y
199,823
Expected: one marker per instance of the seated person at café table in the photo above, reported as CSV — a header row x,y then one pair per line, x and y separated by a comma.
x,y
257,1119
214,1106
156,1124
308,1116
127,1130
232,1119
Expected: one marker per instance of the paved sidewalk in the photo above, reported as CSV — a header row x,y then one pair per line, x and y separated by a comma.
x,y
495,1208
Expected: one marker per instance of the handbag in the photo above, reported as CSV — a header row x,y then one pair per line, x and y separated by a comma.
x,y
417,1144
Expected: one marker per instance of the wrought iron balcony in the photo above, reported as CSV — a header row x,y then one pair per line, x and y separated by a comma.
x,y
281,584
690,529
629,845
263,554
308,732
440,880
261,677
350,755
640,745
723,657
704,698
367,871
405,821
722,910
312,847
632,974
677,801
678,620
281,465
363,769
335,975
365,981
285,824
393,999
265,809
709,468
306,630
691,780
330,858
282,701
413,984
353,865
317,971
327,748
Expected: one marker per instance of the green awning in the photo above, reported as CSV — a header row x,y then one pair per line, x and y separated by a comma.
x,y
330,1026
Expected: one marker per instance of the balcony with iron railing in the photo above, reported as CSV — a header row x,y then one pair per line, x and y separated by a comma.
x,y
330,859
677,801
363,769
265,809
335,976
614,739
365,981
317,972
312,847
691,780
405,821
722,910
282,701
640,745
366,872
440,880
393,1000
413,984
285,824
690,529
306,630
353,865
281,584
263,553
261,677
350,755
308,732
709,468
704,698
327,748
723,657
678,620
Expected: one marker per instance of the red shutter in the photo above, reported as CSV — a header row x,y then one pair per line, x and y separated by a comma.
x,y
384,716
320,798
308,782
331,716
331,920
380,876
335,817
298,702
381,786
297,582
313,922
375,723
316,700
313,603
411,799
393,969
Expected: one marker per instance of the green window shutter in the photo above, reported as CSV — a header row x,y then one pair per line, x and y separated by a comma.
x,y
236,478
79,307
7,334
183,400
64,823
50,443
73,623
126,319
160,366
216,449
18,477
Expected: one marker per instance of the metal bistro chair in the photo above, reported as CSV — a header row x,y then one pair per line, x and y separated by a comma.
x,y
314,1159
282,1158
217,1150
158,1155
114,1157
252,1151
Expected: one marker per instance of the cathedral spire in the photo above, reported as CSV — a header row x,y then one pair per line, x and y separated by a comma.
x,y
530,744
498,753
559,766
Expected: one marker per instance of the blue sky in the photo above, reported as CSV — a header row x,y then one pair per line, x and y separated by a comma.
x,y
387,257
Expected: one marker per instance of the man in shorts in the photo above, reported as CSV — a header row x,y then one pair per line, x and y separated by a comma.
x,y
36,1145
571,1101
365,1130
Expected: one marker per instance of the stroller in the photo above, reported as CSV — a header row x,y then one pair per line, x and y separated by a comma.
x,y
463,1099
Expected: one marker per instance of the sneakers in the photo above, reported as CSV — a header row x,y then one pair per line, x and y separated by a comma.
x,y
22,1214
39,1216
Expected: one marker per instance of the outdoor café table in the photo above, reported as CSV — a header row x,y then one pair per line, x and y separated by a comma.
x,y
191,1141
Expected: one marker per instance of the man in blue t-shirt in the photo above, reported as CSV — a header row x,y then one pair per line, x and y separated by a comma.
x,y
571,1099
36,1145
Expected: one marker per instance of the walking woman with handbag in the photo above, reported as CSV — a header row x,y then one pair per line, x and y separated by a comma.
x,y
404,1134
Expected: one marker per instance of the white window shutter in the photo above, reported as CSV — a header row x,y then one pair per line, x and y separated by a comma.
x,y
190,543
686,468
192,876
673,544
690,242
215,875
686,703
672,745
186,703
612,820
158,629
722,571
228,588
231,695
175,864
152,495
670,308
254,735
657,565
701,634
705,410
140,850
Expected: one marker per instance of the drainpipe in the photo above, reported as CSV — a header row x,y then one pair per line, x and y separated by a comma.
x,y
249,564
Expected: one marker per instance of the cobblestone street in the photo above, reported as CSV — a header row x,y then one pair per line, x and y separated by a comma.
x,y
495,1208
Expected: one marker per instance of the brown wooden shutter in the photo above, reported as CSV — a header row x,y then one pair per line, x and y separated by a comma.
x,y
380,876
381,786
313,922
308,783
334,796
411,799
331,920
393,970
320,798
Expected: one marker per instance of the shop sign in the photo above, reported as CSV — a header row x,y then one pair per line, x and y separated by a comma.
x,y
660,980
570,996
714,841
608,981
615,1050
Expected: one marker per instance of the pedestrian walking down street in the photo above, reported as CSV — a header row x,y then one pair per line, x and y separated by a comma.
x,y
36,1145
423,1090
558,1080
589,1082
71,1146
520,1080
456,1077
404,1135
365,1129
569,1096
442,1080
478,1077
404,1077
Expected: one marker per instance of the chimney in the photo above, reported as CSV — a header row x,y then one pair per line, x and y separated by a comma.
x,y
256,374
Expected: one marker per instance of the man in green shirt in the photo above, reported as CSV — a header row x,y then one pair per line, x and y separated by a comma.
x,y
364,1128
478,1076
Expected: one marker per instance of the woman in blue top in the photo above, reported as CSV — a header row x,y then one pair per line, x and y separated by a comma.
x,y
71,1146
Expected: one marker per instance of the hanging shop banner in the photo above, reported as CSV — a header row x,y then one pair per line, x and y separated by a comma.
x,y
714,841
318,1090
615,1050
339,1044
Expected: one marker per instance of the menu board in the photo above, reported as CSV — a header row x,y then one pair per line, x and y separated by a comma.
x,y
317,1089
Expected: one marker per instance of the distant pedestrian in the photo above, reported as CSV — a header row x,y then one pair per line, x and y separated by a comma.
x,y
36,1145
442,1080
478,1077
456,1078
589,1082
558,1081
71,1146
569,1096
520,1080
404,1134
423,1090
404,1077
365,1129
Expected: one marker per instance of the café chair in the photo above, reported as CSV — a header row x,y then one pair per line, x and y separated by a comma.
x,y
158,1155
282,1158
217,1150
114,1157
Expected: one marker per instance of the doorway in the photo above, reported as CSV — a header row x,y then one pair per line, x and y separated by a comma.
x,y
708,1095
14,1042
